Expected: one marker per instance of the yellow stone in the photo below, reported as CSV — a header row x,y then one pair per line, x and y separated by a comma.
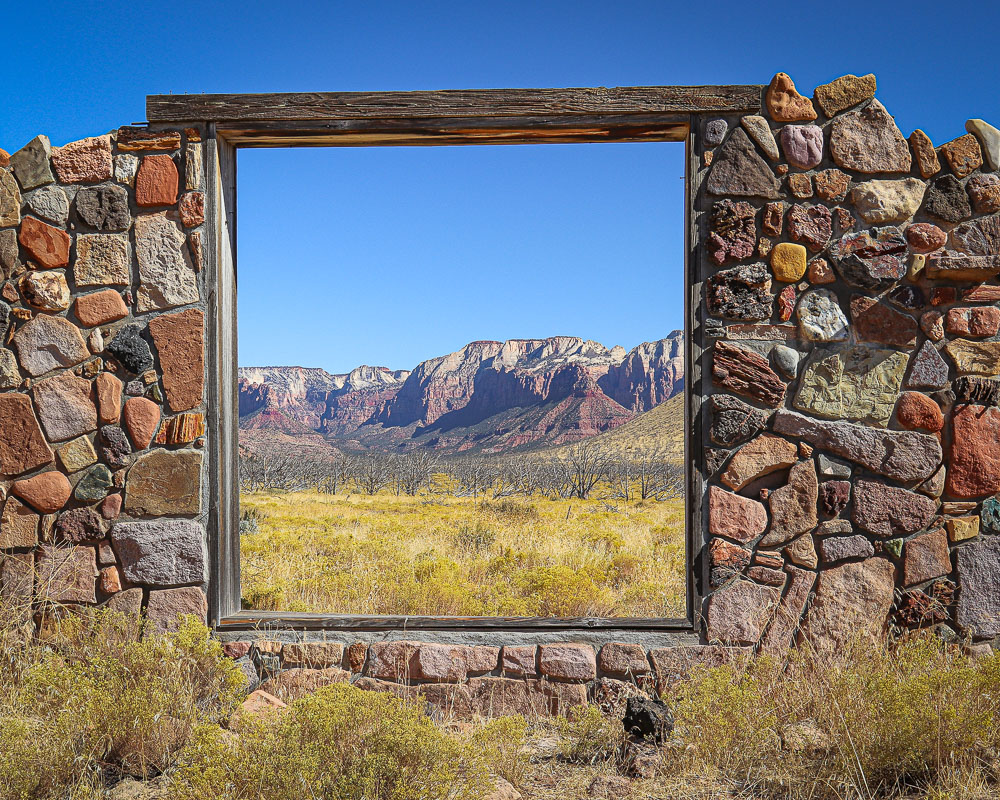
x,y
77,454
974,358
788,262
962,528
917,263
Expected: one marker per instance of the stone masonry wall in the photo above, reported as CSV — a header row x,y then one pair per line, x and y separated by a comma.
x,y
102,423
847,332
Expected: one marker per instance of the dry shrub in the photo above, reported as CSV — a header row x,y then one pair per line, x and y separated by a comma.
x,y
92,701
501,745
868,724
340,742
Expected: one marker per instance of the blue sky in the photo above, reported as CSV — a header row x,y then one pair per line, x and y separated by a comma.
x,y
389,255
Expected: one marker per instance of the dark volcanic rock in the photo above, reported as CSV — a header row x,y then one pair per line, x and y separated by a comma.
x,y
104,207
115,446
733,233
910,297
79,525
131,349
741,293
946,200
648,717
738,170
747,373
734,421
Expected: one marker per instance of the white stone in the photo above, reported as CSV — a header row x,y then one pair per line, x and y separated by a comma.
x,y
49,202
989,141
126,167
192,167
48,342
96,341
881,202
760,132
821,318
166,276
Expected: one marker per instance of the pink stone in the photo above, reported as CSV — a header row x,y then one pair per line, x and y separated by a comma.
x,y
619,658
85,161
166,607
141,418
735,517
974,460
926,557
739,613
568,661
519,660
802,145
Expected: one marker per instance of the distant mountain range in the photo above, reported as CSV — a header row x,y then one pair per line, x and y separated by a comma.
x,y
487,397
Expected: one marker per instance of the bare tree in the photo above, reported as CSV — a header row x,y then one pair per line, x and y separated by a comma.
x,y
588,466
415,469
473,476
373,471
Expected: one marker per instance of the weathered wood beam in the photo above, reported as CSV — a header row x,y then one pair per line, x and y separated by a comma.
x,y
303,106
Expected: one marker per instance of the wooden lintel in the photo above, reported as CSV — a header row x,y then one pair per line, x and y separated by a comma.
x,y
307,106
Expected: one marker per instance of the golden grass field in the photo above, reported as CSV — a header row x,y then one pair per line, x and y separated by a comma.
x,y
442,555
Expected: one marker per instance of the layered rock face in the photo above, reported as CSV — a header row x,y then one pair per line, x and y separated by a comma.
x,y
515,394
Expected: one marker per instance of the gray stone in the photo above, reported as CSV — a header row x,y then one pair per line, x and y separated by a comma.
x,y
858,383
104,207
900,455
9,260
881,202
786,360
10,200
821,319
979,598
738,170
31,163
47,343
832,467
102,260
734,421
840,548
741,293
760,132
890,511
94,484
980,237
51,203
166,275
65,406
715,132
947,200
131,349
163,552
929,370
989,141
934,485
10,378
869,141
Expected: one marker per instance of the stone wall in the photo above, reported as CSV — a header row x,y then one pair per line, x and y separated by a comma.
x,y
847,441
102,446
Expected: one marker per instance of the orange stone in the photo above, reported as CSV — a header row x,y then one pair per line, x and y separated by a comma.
x,y
179,340
22,446
141,417
182,429
109,398
4,158
48,246
193,209
100,308
785,104
156,183
47,492
111,582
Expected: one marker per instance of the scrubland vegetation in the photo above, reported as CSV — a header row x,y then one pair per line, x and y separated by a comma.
x,y
91,711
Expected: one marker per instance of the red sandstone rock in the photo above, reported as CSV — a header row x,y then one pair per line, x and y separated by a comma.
x,y
192,208
674,664
47,246
916,411
782,629
877,322
109,398
923,237
739,613
100,308
313,655
735,517
141,418
726,560
519,660
785,104
810,225
925,154
236,649
926,557
567,661
357,653
793,506
294,684
975,322
963,155
179,340
260,705
110,581
832,184
619,658
111,506
22,446
974,459
156,182
67,574
761,456
47,492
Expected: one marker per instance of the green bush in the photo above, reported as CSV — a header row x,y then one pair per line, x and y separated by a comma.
x,y
340,743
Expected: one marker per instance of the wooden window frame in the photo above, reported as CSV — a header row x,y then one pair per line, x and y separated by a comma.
x,y
485,116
